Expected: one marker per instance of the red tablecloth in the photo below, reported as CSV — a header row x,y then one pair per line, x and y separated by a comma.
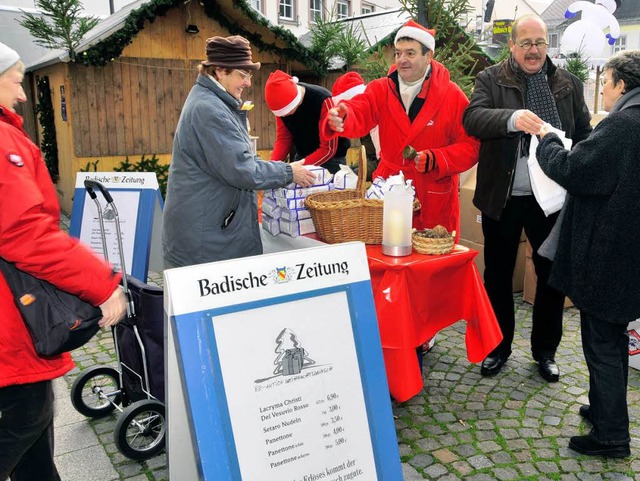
x,y
418,295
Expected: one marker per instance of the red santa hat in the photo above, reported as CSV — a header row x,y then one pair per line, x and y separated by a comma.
x,y
414,30
282,93
347,86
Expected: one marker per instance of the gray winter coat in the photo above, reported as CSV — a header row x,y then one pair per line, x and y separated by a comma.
x,y
597,261
214,172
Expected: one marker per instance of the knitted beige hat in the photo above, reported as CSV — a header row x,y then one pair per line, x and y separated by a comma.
x,y
8,57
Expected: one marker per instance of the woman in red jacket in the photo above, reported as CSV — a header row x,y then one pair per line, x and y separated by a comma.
x,y
31,237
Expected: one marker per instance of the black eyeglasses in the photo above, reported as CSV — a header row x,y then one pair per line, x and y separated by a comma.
x,y
540,44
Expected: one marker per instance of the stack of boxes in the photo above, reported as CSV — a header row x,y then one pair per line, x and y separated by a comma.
x,y
283,210
471,230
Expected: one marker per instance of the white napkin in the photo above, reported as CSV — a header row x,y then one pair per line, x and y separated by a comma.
x,y
547,192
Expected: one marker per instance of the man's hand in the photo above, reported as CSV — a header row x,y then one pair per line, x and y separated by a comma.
x,y
336,117
114,308
301,175
425,161
528,122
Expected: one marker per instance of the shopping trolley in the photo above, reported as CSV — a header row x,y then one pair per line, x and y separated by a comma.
x,y
136,386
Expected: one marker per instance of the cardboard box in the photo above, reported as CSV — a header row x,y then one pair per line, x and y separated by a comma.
x,y
518,271
470,215
530,279
634,344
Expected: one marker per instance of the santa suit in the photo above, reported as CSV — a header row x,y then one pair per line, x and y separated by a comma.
x,y
437,125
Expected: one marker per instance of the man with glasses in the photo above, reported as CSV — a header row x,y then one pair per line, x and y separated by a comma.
x,y
510,103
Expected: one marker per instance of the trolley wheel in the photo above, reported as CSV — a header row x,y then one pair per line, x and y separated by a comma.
x,y
96,391
140,430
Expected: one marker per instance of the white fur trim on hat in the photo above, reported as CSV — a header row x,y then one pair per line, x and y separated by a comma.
x,y
291,105
349,94
8,57
418,33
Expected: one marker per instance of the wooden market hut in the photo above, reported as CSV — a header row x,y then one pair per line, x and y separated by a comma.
x,y
123,94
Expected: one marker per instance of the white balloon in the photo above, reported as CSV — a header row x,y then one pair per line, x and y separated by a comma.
x,y
585,37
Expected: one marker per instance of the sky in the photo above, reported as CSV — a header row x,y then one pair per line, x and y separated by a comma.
x,y
93,7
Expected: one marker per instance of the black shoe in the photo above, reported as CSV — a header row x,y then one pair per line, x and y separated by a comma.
x,y
549,369
492,365
585,412
589,446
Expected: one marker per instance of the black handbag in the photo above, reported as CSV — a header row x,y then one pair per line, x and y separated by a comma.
x,y
56,320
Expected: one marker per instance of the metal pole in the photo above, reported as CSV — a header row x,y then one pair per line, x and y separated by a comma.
x,y
422,13
112,9
596,97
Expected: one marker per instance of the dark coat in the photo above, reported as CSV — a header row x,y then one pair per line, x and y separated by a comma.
x,y
497,95
597,263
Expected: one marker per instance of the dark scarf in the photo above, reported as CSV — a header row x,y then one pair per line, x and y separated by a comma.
x,y
538,96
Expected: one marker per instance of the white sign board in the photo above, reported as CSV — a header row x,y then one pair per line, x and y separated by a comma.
x,y
138,202
275,361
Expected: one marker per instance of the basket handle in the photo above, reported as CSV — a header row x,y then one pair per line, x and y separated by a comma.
x,y
362,172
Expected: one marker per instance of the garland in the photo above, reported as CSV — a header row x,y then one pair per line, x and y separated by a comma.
x,y
49,145
106,50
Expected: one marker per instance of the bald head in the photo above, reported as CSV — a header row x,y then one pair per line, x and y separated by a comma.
x,y
529,19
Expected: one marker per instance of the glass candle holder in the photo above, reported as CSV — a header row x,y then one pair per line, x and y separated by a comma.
x,y
397,217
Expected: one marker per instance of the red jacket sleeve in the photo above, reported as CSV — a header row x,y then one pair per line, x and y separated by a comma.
x,y
283,142
30,234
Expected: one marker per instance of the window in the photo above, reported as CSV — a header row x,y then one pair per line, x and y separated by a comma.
x,y
367,8
286,11
315,10
620,45
257,5
553,40
343,9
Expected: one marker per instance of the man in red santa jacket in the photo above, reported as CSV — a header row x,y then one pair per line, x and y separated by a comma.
x,y
416,105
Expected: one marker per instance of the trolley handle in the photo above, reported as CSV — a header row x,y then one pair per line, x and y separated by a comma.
x,y
90,185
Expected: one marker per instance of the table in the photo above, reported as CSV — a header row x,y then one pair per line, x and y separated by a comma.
x,y
418,295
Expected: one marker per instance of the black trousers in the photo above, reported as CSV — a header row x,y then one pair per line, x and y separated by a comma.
x,y
501,240
26,433
606,350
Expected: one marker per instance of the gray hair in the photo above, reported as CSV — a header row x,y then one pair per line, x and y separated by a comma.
x,y
625,66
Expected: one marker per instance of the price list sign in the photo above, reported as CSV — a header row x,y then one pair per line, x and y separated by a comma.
x,y
291,375
297,408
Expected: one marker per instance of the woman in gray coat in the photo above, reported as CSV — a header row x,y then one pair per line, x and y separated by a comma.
x,y
211,211
597,263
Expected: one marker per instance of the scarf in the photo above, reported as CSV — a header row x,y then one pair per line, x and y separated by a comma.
x,y
538,98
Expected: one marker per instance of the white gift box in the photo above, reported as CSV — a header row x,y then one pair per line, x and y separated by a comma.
x,y
291,204
270,207
299,192
345,178
294,214
297,228
272,226
323,176
634,344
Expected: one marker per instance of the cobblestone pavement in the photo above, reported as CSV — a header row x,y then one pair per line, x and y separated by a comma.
x,y
514,426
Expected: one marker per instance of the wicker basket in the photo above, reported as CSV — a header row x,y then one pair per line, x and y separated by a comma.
x,y
345,215
433,246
